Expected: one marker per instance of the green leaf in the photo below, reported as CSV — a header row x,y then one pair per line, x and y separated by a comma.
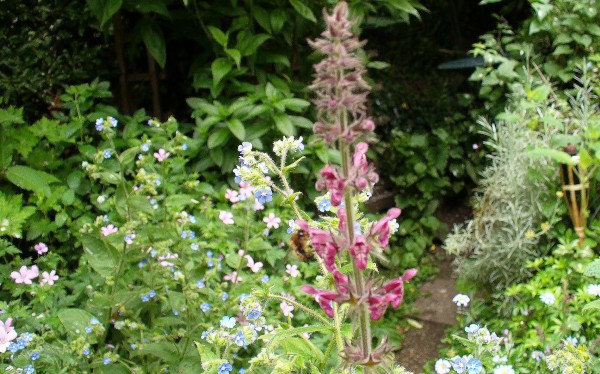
x,y
297,105
262,17
220,67
75,320
153,6
298,121
178,202
235,55
101,257
593,269
31,179
203,106
283,123
205,352
539,93
278,18
218,137
163,350
562,50
155,42
303,10
219,36
593,305
251,45
559,156
585,160
378,65
109,9
237,128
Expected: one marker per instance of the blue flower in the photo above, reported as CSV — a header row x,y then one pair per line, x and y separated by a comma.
x,y
264,278
89,329
206,333
106,361
192,219
209,254
21,344
200,284
239,339
107,153
86,352
29,369
145,298
264,195
324,205
175,313
245,148
210,263
459,365
153,252
145,147
100,124
228,322
94,321
242,371
184,147
27,337
152,293
205,307
474,366
254,314
472,328
225,368
191,234
142,263
113,122
194,246
133,346
224,296
243,297
572,340
34,355
183,234
158,181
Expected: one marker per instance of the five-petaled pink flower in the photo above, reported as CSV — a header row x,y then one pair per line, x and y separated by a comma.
x,y
254,266
246,189
24,275
41,248
7,334
287,309
272,221
49,278
292,270
110,229
233,277
161,155
226,217
232,196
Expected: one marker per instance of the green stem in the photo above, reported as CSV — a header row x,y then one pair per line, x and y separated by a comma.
x,y
302,307
245,249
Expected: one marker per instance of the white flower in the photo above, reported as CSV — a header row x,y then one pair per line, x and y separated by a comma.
x,y
442,366
594,289
504,369
548,298
461,300
101,199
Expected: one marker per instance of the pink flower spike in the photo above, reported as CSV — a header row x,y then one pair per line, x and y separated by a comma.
x,y
161,155
292,270
41,248
226,217
49,278
360,251
110,229
323,297
272,221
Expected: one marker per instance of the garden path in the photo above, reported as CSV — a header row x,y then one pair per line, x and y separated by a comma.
x,y
436,312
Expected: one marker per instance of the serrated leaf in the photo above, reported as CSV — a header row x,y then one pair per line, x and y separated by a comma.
x,y
593,305
206,353
303,10
593,269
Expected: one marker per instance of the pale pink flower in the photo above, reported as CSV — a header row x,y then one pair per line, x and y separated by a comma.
x,y
292,270
41,248
49,278
246,189
7,334
161,155
258,206
232,196
165,261
24,275
110,229
255,267
287,309
272,221
226,217
233,277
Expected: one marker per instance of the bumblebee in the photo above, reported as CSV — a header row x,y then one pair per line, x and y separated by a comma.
x,y
299,244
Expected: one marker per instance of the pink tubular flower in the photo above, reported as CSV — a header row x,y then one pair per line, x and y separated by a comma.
x,y
226,217
360,251
272,221
323,243
110,229
161,155
49,278
41,248
323,297
232,196
381,229
390,293
332,182
24,275
7,334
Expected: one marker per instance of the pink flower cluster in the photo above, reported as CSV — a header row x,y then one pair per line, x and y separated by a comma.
x,y
7,334
27,275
